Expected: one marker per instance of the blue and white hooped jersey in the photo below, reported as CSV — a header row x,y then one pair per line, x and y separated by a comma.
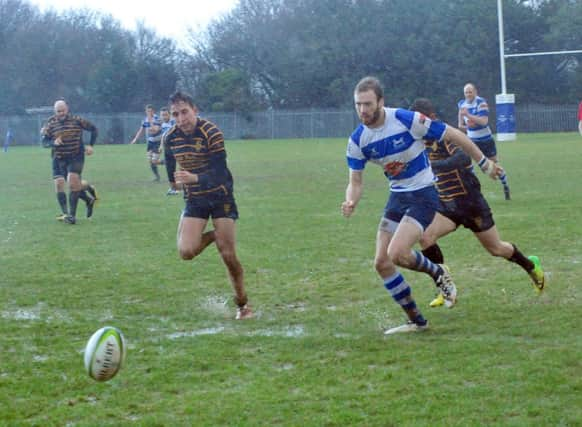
x,y
146,125
479,108
166,126
398,142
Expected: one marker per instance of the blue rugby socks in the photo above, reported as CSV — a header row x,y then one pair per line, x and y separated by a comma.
x,y
402,294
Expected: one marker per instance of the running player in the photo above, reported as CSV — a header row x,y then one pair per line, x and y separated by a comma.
x,y
462,203
392,139
474,119
153,129
197,146
64,134
167,123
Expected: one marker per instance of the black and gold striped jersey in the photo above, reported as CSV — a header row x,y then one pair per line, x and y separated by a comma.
x,y
70,131
203,153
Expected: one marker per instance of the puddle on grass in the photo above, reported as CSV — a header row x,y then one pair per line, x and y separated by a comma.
x,y
289,332
20,314
196,333
215,304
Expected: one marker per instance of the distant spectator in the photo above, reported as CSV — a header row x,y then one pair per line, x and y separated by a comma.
x,y
580,118
10,139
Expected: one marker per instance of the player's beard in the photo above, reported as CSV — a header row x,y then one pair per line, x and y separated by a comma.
x,y
374,118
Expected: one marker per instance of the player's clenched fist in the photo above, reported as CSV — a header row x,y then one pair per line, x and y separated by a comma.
x,y
348,208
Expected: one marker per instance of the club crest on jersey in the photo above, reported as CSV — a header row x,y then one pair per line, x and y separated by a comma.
x,y
398,142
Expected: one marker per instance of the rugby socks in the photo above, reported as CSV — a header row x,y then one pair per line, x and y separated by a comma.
x,y
521,259
83,196
503,179
425,265
402,294
155,171
62,199
434,254
73,200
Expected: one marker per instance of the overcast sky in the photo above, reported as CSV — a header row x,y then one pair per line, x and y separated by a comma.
x,y
168,18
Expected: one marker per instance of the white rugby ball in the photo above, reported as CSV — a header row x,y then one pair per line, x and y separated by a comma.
x,y
105,353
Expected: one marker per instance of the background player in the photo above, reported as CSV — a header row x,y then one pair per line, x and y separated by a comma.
x,y
392,139
462,203
153,129
197,146
474,119
167,123
64,133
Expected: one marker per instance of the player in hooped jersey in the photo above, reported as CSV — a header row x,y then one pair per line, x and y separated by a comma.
x,y
393,139
462,203
153,129
197,146
474,119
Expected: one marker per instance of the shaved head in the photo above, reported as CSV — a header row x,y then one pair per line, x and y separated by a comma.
x,y
61,109
470,92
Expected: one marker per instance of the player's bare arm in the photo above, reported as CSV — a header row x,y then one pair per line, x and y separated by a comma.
x,y
353,193
137,135
460,139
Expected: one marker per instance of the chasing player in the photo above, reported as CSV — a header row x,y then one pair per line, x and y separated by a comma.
x,y
393,139
462,203
64,134
197,146
474,119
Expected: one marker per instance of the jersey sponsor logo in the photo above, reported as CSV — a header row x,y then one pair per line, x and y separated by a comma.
x,y
394,168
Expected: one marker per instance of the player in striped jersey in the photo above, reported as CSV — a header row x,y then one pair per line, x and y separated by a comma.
x,y
153,129
393,139
63,132
474,119
197,146
167,123
462,203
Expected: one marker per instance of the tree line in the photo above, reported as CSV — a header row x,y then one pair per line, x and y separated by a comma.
x,y
291,54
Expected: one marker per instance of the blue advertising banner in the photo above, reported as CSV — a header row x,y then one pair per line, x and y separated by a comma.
x,y
505,108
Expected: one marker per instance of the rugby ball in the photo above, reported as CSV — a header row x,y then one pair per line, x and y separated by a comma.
x,y
105,353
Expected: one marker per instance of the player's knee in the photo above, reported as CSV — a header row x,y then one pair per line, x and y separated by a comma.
x,y
187,254
381,263
398,257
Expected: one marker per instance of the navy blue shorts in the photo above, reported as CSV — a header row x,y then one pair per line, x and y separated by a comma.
x,y
154,146
487,147
211,206
420,204
70,164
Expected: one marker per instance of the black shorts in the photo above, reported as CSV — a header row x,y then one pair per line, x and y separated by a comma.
x,y
70,164
154,146
211,206
471,211
487,147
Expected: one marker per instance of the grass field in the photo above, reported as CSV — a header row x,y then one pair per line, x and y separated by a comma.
x,y
315,355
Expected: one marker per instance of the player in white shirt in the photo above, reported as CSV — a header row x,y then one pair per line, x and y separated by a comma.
x,y
393,139
474,119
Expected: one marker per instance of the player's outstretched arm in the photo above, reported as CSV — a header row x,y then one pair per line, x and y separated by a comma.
x,y
460,139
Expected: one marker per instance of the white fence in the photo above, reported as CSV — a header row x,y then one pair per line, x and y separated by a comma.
x,y
120,128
